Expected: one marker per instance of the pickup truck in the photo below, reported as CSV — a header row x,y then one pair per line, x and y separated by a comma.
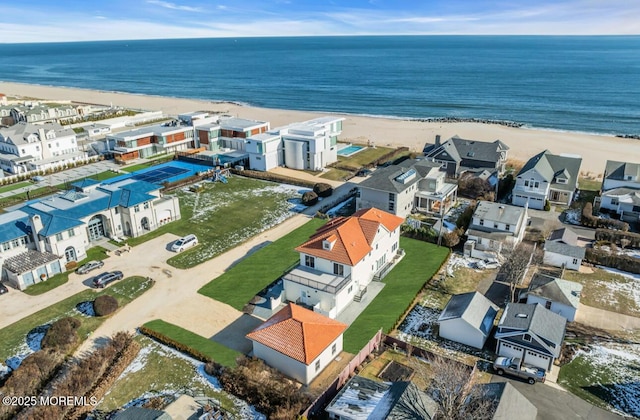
x,y
513,366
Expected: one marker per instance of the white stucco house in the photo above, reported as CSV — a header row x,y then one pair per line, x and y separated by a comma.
x,y
532,333
562,250
25,147
411,186
494,226
341,259
557,295
298,342
468,319
63,226
621,190
546,177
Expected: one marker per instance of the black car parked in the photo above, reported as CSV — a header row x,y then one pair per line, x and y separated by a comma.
x,y
3,289
103,279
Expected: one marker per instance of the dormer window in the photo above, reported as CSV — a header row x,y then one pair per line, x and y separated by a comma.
x,y
527,338
329,242
561,180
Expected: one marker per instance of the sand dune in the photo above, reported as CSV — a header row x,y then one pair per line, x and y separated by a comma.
x,y
524,143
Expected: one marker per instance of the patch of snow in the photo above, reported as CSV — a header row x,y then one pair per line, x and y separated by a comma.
x,y
619,364
86,308
4,370
138,363
573,216
35,337
629,288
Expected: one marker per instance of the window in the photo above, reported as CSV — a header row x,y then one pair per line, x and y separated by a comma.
x,y
394,247
548,304
23,240
309,261
507,227
526,182
350,289
58,236
317,365
334,348
481,222
527,337
392,197
116,210
136,208
145,205
338,269
614,201
71,232
6,246
495,225
15,243
575,261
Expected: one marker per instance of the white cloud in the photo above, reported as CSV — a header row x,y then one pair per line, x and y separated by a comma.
x,y
173,6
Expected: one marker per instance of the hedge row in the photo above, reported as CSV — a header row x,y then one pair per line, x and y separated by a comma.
x,y
176,345
589,220
268,176
608,259
79,378
630,239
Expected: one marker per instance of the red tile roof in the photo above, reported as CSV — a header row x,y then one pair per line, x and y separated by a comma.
x,y
354,236
298,333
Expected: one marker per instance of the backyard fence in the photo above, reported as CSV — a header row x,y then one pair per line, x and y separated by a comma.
x,y
332,390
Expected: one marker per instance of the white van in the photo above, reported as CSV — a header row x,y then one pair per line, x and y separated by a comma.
x,y
184,243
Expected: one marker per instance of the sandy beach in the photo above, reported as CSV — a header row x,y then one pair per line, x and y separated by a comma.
x,y
524,143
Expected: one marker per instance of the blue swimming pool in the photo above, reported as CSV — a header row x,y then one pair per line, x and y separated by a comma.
x,y
350,150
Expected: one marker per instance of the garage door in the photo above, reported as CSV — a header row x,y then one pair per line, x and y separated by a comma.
x,y
509,350
537,360
27,279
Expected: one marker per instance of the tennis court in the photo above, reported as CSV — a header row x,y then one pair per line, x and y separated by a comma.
x,y
165,172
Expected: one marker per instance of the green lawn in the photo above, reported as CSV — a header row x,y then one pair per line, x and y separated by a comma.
x,y
589,184
156,371
12,337
221,354
15,186
101,176
402,284
223,216
95,253
364,157
336,174
240,283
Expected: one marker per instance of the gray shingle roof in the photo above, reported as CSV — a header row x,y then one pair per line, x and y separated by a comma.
x,y
510,401
474,308
557,290
565,235
502,213
459,149
535,319
564,249
624,195
550,167
28,261
385,179
622,170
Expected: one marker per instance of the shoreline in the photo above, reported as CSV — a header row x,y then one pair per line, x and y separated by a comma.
x,y
524,141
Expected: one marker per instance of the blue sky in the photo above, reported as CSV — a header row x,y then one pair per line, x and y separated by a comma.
x,y
76,20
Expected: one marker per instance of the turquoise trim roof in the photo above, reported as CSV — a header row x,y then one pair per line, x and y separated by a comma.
x,y
14,225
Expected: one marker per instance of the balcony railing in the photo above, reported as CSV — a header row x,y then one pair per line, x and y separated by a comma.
x,y
333,289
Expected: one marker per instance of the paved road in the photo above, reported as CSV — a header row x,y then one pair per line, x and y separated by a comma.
x,y
553,402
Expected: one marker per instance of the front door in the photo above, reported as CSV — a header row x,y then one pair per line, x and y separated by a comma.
x,y
96,228
304,297
70,254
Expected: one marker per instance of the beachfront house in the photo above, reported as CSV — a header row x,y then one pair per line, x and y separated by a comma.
x,y
457,155
339,261
149,141
532,333
363,398
546,177
494,226
26,147
411,186
36,113
562,250
557,295
65,225
621,190
298,342
467,319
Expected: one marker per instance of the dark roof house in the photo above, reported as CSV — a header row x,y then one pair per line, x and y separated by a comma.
x,y
460,154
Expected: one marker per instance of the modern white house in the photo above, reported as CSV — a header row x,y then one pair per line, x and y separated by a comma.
x,y
621,190
547,177
149,141
468,319
562,250
494,226
532,333
340,260
557,295
26,146
266,151
411,186
63,226
298,342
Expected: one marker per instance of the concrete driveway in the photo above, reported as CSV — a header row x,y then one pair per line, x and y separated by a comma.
x,y
554,402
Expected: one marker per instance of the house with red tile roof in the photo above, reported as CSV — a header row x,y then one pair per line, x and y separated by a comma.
x,y
341,259
298,342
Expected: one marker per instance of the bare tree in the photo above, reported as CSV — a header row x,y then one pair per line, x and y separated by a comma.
x,y
453,387
515,267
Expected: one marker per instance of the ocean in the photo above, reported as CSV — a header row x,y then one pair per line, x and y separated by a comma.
x,y
575,83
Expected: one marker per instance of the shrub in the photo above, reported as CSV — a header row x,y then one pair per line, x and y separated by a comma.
x,y
547,205
105,305
322,189
608,259
62,335
622,239
451,239
309,198
71,265
177,345
589,220
465,217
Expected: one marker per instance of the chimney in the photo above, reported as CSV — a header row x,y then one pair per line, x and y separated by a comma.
x,y
437,140
36,227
